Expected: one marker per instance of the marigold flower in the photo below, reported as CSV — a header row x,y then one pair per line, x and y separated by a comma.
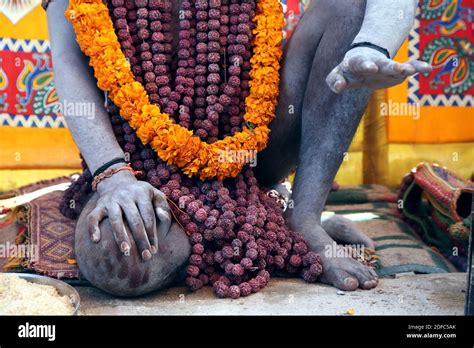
x,y
173,143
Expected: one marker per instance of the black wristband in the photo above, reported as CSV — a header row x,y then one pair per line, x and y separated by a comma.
x,y
371,45
106,166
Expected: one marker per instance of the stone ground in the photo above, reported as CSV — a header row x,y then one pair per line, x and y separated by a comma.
x,y
409,294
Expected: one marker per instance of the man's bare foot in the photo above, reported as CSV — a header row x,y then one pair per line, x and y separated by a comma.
x,y
344,231
347,274
341,271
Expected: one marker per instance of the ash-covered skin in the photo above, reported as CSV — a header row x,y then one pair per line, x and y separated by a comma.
x,y
129,275
324,91
314,137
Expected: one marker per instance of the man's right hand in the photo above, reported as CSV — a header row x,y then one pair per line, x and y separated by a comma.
x,y
123,198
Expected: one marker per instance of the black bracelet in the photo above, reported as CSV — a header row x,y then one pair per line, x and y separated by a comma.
x,y
106,166
371,45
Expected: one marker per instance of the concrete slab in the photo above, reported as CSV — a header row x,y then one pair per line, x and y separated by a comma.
x,y
431,294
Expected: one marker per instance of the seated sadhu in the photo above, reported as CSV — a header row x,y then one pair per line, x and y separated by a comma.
x,y
186,81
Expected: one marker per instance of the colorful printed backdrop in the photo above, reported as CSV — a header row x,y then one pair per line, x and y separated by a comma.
x,y
33,135
442,36
27,94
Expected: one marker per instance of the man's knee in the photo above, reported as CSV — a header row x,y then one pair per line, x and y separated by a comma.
x,y
106,267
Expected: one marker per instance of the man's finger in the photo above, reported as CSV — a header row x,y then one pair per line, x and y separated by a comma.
x,y
394,69
407,70
118,227
336,81
137,228
93,220
361,65
163,214
389,67
145,207
421,67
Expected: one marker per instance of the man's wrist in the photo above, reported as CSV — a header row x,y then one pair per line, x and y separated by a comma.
x,y
117,179
372,46
109,164
366,52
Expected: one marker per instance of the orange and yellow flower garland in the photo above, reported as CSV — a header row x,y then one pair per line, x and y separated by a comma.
x,y
175,144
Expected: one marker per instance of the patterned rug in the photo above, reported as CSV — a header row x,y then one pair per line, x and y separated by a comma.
x,y
43,227
362,194
398,247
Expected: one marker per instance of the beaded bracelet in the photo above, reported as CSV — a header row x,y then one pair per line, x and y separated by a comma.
x,y
111,171
108,164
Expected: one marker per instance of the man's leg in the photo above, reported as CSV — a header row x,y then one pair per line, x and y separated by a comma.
x,y
324,125
106,267
281,155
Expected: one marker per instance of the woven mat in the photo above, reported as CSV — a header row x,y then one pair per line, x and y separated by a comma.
x,y
362,194
49,230
398,248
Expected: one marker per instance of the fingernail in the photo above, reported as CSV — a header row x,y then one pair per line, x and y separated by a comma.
x,y
153,249
162,213
96,235
125,248
337,86
146,255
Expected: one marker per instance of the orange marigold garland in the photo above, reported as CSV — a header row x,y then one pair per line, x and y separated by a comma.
x,y
175,144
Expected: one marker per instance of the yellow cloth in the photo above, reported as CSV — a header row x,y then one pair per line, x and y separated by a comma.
x,y
36,148
31,147
31,26
12,179
435,125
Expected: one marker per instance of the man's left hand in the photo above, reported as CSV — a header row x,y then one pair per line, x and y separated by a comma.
x,y
367,67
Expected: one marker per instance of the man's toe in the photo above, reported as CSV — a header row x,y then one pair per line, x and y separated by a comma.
x,y
340,279
367,279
